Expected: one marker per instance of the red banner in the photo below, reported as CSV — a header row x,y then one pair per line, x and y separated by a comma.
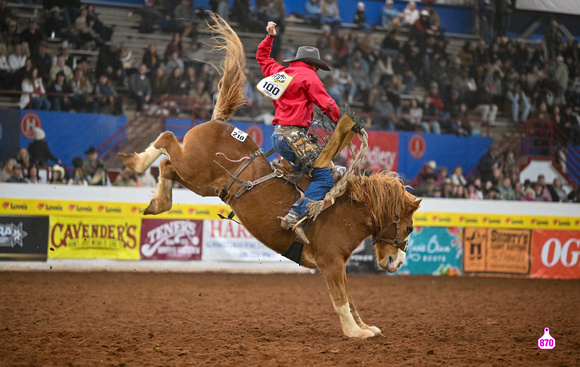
x,y
171,239
555,254
382,152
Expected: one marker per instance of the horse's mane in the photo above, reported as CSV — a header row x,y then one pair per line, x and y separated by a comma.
x,y
232,83
385,193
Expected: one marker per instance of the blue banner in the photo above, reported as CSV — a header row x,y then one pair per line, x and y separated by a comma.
x,y
446,150
69,135
434,251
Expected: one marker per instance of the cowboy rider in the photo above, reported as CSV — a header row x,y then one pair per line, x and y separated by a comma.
x,y
294,91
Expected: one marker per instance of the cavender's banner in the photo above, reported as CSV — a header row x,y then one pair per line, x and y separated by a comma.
x,y
491,250
94,238
556,254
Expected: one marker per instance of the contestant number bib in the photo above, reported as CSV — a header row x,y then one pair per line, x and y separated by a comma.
x,y
275,85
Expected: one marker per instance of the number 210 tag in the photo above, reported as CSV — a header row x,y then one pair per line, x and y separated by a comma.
x,y
239,135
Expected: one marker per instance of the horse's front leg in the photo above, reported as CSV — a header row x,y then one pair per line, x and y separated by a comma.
x,y
335,276
375,330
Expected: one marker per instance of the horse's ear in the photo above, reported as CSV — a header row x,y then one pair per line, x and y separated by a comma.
x,y
417,203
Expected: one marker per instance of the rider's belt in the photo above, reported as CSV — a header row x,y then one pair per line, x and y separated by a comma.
x,y
281,129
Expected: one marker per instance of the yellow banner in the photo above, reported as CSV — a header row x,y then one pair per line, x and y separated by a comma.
x,y
106,209
511,221
94,238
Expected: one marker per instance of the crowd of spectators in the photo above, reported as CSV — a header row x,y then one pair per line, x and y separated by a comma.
x,y
497,178
27,165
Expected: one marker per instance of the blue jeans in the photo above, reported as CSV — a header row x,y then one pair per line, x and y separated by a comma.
x,y
321,183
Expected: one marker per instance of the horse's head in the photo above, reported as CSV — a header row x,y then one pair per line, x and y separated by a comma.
x,y
391,242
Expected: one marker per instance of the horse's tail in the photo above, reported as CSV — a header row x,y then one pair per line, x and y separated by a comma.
x,y
233,81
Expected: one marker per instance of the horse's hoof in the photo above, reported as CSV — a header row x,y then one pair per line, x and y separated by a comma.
x,y
365,333
375,330
156,207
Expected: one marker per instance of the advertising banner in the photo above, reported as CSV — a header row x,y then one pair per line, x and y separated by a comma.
x,y
106,209
491,250
555,254
23,238
94,238
382,152
163,239
228,240
363,259
434,251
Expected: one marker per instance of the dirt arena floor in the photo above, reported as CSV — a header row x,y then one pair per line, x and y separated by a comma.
x,y
153,319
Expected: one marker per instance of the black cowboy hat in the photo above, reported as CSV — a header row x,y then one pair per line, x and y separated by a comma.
x,y
309,55
91,150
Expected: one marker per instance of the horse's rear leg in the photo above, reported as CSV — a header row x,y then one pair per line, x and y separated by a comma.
x,y
139,162
335,275
162,199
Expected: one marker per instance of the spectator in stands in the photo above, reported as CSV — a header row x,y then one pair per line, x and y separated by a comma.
x,y
23,158
39,151
520,104
152,15
31,35
106,96
570,125
6,16
202,100
99,178
431,114
17,175
33,177
361,81
510,168
554,39
389,13
410,14
506,192
12,37
173,46
385,117
501,17
402,69
176,84
557,191
174,62
425,173
126,178
151,59
194,55
92,161
78,176
109,63
312,13
127,60
487,164
360,18
158,83
93,20
487,19
42,60
61,67
8,170
140,87
81,87
60,102
561,75
415,115
330,14
33,92
5,72
186,19
86,34
58,176
56,26
17,59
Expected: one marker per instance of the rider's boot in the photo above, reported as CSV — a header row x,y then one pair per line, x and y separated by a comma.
x,y
293,221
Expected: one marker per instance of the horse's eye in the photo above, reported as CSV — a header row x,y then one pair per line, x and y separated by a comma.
x,y
409,229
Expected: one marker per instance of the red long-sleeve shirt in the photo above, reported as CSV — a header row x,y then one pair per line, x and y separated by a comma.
x,y
296,106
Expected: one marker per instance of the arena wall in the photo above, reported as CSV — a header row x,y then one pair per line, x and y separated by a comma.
x,y
102,228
